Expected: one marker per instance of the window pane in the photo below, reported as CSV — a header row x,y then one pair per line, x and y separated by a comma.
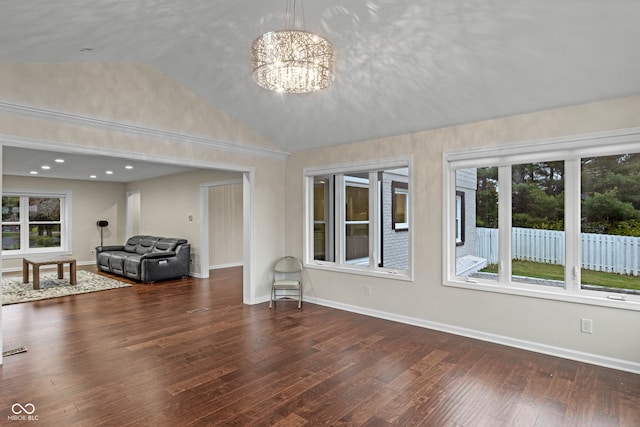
x,y
460,219
322,212
357,219
10,237
537,219
44,236
475,220
400,211
357,202
357,244
610,228
319,239
319,204
44,209
10,209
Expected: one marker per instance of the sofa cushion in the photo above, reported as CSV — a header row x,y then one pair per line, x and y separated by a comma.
x,y
116,261
132,266
132,243
167,244
103,260
146,244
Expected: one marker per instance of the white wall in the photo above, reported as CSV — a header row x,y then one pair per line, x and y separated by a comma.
x,y
225,225
533,323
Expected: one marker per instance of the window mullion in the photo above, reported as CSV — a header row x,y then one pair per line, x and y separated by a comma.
x,y
309,226
572,224
24,223
374,213
340,223
504,224
330,220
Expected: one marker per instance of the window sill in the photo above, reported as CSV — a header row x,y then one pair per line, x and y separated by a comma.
x,y
35,253
559,295
348,269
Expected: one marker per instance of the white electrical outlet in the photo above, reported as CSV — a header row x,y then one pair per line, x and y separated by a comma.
x,y
586,326
367,289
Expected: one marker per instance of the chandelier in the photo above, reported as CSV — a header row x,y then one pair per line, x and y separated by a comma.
x,y
292,61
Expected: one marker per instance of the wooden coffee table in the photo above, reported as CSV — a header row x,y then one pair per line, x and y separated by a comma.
x,y
37,261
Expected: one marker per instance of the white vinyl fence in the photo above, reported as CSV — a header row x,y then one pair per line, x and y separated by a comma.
x,y
600,252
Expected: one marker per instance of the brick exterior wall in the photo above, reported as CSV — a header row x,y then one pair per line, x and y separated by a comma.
x,y
395,244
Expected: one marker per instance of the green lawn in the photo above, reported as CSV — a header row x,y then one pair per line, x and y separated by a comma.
x,y
556,272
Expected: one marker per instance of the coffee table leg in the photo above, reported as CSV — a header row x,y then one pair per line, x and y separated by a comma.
x,y
60,271
36,276
25,271
72,272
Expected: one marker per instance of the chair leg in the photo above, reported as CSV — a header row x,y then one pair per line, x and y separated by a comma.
x,y
271,299
300,299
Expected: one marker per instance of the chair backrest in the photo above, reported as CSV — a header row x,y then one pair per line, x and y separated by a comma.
x,y
287,267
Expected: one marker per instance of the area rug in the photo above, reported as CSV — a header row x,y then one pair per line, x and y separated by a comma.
x,y
14,291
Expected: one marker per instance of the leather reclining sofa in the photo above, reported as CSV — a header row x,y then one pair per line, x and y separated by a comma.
x,y
146,258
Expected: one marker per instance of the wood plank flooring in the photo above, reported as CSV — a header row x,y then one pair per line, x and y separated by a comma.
x,y
189,353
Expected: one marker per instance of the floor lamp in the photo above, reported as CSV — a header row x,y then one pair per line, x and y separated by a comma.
x,y
102,224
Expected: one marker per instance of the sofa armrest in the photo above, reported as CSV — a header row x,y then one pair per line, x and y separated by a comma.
x,y
154,255
109,248
163,265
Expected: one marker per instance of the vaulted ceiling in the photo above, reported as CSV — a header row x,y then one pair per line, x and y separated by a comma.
x,y
401,65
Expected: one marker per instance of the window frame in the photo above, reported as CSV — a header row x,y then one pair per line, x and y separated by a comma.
x,y
569,149
398,187
329,240
340,264
354,182
65,222
460,218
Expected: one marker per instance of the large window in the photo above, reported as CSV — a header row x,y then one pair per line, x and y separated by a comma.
x,y
358,218
34,222
559,220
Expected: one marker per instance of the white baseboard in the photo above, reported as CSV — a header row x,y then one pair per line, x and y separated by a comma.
x,y
594,359
231,264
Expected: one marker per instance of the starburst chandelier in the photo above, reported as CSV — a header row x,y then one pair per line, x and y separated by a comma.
x,y
291,60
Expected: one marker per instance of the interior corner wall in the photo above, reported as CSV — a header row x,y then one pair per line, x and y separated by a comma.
x,y
543,323
170,206
91,201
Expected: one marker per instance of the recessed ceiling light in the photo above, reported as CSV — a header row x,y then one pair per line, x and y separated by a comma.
x,y
59,160
34,172
92,176
45,167
128,167
109,172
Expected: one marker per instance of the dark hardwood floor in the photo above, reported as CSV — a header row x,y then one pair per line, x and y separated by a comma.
x,y
151,355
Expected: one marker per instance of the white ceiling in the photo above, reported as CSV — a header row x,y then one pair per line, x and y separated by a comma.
x,y
22,162
401,65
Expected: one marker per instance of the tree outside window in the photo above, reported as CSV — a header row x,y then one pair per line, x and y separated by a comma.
x,y
32,223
